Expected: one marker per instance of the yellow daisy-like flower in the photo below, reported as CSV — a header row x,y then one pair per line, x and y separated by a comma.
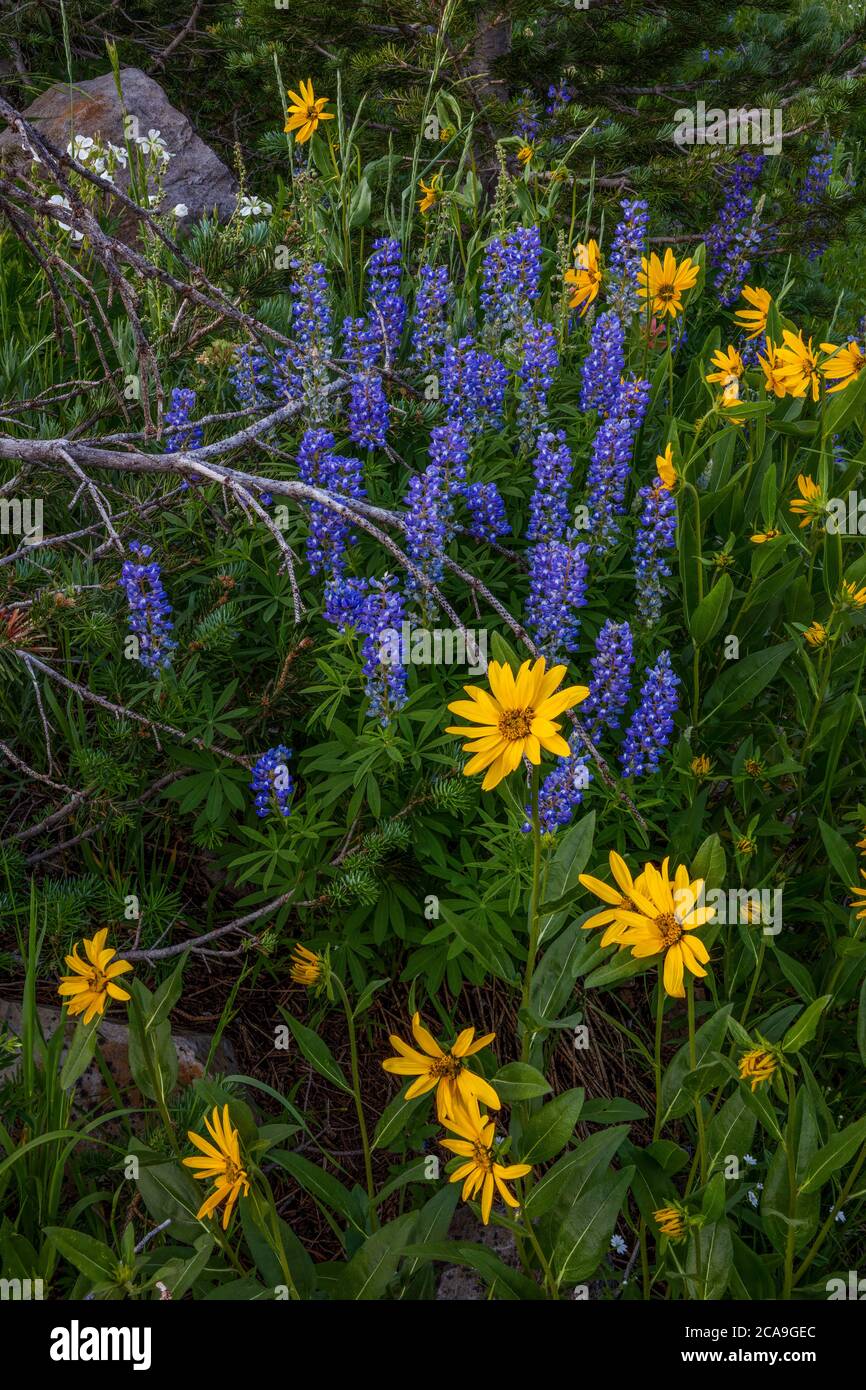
x,y
756,1066
306,112
844,366
515,718
665,468
850,596
585,278
92,983
306,966
618,899
431,193
219,1163
664,283
800,371
811,503
481,1171
670,1222
729,366
816,634
859,894
447,1071
761,537
772,366
754,319
525,154
663,921
701,766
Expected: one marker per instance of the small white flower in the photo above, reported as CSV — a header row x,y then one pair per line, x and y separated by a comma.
x,y
119,154
153,143
618,1244
180,210
80,148
254,207
747,1158
60,202
840,1217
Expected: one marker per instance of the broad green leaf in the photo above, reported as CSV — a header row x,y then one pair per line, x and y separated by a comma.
x,y
519,1081
551,1127
834,1155
584,1236
317,1052
730,1132
806,1026
369,1272
712,611
93,1259
743,681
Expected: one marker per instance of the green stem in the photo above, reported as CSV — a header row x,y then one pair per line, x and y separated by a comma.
x,y
550,1281
657,1058
819,700
532,949
356,1092
693,1062
791,1155
755,977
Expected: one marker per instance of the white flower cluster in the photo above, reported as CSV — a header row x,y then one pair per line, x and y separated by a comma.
x,y
253,207
104,160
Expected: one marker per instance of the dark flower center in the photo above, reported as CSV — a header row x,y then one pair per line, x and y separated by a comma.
x,y
516,723
670,929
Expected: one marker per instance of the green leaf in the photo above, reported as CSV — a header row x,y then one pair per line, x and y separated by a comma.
x,y
393,1121
846,406
708,1278
502,651
80,1054
676,1098
569,1178
509,1283
369,1272
557,971
806,1026
568,863
519,1081
730,1132
614,1111
317,1052
782,1210
321,1185
434,1219
749,1278
743,681
840,853
709,863
89,1256
551,1127
584,1236
834,1155
712,611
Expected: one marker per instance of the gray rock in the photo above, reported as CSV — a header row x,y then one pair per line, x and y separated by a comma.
x,y
195,176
